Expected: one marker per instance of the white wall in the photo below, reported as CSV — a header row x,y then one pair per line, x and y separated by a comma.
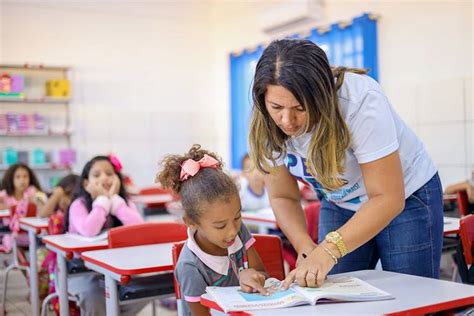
x,y
141,74
425,66
153,78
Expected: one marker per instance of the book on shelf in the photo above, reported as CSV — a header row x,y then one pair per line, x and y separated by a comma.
x,y
334,289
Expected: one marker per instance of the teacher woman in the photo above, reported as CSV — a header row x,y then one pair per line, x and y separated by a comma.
x,y
335,130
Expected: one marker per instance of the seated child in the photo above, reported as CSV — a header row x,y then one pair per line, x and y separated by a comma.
x,y
219,249
60,198
100,203
253,194
20,187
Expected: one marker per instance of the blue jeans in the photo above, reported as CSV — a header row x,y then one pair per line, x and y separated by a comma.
x,y
410,244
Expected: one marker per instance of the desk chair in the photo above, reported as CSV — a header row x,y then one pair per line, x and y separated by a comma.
x,y
464,254
19,260
311,212
153,207
269,247
463,203
149,287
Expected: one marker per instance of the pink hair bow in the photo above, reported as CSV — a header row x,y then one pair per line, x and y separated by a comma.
x,y
190,167
115,162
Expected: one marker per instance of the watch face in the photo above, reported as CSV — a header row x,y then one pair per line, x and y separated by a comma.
x,y
333,236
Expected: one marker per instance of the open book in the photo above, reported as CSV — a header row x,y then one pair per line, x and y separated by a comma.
x,y
100,237
335,288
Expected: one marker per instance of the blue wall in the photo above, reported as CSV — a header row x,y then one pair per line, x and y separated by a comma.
x,y
353,46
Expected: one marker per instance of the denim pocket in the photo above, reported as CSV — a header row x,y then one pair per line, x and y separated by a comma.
x,y
422,196
411,231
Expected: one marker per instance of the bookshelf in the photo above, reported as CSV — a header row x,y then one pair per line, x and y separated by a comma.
x,y
35,124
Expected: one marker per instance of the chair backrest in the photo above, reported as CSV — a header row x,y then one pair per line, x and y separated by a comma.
x,y
147,233
176,250
153,190
311,212
269,247
30,211
466,232
463,203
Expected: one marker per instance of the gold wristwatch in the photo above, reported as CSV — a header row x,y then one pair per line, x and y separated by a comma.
x,y
336,238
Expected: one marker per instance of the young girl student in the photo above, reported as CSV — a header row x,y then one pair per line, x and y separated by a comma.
x,y
100,202
253,194
20,187
60,198
219,249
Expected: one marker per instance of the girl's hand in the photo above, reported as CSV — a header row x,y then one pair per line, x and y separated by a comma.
x,y
40,198
252,281
313,270
115,187
95,188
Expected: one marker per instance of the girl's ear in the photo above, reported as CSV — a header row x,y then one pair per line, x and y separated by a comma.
x,y
189,222
85,183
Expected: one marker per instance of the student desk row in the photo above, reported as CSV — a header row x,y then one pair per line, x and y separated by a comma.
x,y
412,296
265,219
34,226
65,246
111,263
117,264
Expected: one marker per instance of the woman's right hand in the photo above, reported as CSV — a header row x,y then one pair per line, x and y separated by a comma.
x,y
304,252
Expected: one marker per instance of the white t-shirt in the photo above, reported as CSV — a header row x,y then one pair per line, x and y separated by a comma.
x,y
250,200
376,131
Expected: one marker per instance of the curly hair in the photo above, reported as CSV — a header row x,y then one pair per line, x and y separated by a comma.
x,y
207,186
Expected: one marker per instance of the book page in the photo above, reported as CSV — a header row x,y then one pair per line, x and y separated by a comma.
x,y
100,237
233,299
343,288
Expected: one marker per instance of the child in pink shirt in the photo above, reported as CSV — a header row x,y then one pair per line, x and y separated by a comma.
x,y
100,203
20,187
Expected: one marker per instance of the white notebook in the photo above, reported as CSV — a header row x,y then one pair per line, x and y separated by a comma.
x,y
100,237
335,288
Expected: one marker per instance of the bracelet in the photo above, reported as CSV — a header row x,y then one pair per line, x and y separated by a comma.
x,y
330,253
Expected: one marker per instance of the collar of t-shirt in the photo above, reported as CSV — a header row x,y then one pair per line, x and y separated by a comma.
x,y
219,264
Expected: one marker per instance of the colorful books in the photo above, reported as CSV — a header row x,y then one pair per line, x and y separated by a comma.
x,y
232,299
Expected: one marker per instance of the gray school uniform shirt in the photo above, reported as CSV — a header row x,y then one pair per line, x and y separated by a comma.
x,y
196,269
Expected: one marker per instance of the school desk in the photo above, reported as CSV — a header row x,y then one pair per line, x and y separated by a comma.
x,y
34,226
264,219
65,246
151,199
120,264
451,225
413,296
4,213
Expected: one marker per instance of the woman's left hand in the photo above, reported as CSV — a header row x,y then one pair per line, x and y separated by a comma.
x,y
312,271
252,280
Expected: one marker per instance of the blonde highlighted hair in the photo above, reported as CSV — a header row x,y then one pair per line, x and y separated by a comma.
x,y
302,68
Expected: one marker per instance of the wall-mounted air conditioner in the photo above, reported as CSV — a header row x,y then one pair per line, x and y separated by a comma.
x,y
288,15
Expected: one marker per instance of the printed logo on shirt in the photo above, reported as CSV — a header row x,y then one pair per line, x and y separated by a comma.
x,y
298,168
